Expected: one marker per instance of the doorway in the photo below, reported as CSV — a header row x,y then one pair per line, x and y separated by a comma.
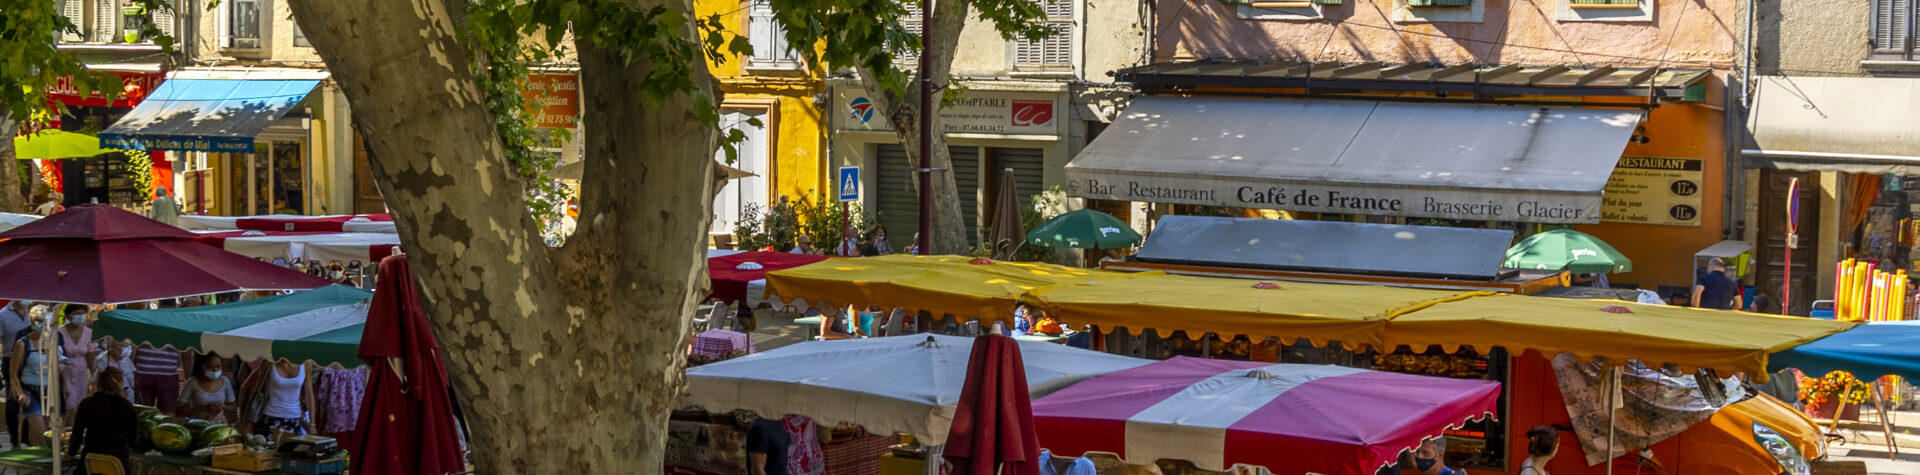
x,y
1773,239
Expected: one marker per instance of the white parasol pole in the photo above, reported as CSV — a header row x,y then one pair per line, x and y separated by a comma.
x,y
1613,404
50,393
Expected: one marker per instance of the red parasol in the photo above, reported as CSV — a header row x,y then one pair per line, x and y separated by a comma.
x,y
406,419
730,273
993,426
103,255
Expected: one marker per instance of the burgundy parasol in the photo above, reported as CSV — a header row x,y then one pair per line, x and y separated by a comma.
x,y
993,426
103,255
730,273
406,422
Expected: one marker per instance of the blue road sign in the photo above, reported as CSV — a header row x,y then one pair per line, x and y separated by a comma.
x,y
849,183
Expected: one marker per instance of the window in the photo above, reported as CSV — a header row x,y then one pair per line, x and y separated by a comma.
x,y
300,37
76,13
743,193
1893,27
113,21
1439,3
912,23
1053,53
769,39
242,24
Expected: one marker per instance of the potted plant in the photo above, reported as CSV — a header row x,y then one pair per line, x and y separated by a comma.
x,y
1838,391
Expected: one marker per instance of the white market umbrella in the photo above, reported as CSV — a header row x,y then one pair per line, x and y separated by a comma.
x,y
12,220
905,384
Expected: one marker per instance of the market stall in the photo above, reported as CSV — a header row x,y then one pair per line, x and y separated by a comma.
x,y
1869,350
968,288
321,246
322,326
1286,418
732,274
906,384
355,223
11,220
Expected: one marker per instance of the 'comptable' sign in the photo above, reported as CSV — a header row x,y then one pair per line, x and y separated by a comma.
x,y
557,97
976,112
1650,190
1386,200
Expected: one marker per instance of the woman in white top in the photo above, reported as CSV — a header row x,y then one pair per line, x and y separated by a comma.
x,y
289,395
1543,443
118,355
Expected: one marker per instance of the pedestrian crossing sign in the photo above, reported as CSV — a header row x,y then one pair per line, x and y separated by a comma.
x,y
849,183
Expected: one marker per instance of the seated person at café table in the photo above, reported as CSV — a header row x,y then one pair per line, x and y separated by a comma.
x,y
105,422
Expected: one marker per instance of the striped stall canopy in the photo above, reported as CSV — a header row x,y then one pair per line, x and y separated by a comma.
x,y
1287,418
321,325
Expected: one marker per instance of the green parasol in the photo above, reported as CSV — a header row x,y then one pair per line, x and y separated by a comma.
x,y
1566,249
1087,229
54,144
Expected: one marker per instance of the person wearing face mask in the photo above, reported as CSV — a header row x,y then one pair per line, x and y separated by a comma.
x,y
208,394
29,371
880,242
118,354
76,347
1431,458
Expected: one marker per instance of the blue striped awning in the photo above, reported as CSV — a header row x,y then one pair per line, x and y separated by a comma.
x,y
210,111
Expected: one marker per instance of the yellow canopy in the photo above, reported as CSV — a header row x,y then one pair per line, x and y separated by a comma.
x,y
937,284
1655,334
1351,314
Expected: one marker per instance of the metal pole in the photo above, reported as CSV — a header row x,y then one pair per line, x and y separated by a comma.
x,y
925,241
1613,404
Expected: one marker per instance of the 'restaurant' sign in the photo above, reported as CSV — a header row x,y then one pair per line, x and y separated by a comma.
x,y
1649,190
1386,200
556,97
976,112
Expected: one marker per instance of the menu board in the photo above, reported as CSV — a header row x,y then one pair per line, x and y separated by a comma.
x,y
1649,190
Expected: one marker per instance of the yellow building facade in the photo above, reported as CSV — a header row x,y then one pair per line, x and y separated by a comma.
x,y
786,96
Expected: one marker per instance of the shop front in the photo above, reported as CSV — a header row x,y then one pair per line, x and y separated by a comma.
x,y
994,125
247,139
123,177
1631,155
1850,145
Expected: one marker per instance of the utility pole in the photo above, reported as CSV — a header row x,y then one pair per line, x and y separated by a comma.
x,y
925,241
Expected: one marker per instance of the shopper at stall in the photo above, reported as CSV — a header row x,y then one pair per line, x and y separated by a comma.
x,y
1543,442
1431,458
156,374
207,395
786,446
105,422
29,374
118,355
13,325
1714,289
288,394
163,208
76,355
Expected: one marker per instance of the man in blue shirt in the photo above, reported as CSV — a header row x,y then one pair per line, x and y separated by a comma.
x,y
1714,289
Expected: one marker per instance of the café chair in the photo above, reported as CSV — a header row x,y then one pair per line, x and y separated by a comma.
x,y
101,464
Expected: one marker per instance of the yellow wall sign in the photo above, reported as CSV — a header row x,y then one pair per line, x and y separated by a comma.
x,y
1650,190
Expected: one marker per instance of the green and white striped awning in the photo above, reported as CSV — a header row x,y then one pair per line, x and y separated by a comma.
x,y
321,325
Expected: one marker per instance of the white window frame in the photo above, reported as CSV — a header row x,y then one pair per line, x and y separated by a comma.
x,y
736,193
227,18
913,24
1641,12
1062,15
769,39
300,37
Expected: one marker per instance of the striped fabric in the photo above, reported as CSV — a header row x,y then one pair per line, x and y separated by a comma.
x,y
1285,417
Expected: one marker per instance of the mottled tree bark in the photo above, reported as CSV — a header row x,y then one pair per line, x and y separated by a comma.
x,y
903,114
13,196
566,360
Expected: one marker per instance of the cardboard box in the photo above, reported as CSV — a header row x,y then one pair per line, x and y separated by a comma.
x,y
246,460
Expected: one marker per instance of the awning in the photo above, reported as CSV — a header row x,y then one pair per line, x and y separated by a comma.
x,y
938,284
1328,246
1868,351
211,110
1453,161
1852,125
321,325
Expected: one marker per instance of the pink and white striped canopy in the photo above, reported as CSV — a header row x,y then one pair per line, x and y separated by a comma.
x,y
1288,418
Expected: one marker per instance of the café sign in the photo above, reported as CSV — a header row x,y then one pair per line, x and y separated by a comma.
x,y
1380,199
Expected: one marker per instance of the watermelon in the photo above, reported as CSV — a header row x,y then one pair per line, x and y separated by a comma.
x,y
146,412
217,434
143,434
172,438
198,425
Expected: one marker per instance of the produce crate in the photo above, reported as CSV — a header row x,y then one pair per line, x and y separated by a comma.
x,y
300,466
859,456
245,460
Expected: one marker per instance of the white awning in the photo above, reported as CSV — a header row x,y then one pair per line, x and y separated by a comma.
x,y
1853,125
1453,161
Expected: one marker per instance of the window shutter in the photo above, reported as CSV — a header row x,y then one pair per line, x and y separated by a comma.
x,y
1892,24
223,24
912,24
106,24
76,13
163,19
760,32
1058,9
1057,50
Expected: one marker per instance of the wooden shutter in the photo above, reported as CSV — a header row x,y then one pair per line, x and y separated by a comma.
x,y
106,21
1892,25
761,32
76,13
164,19
1054,51
912,24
